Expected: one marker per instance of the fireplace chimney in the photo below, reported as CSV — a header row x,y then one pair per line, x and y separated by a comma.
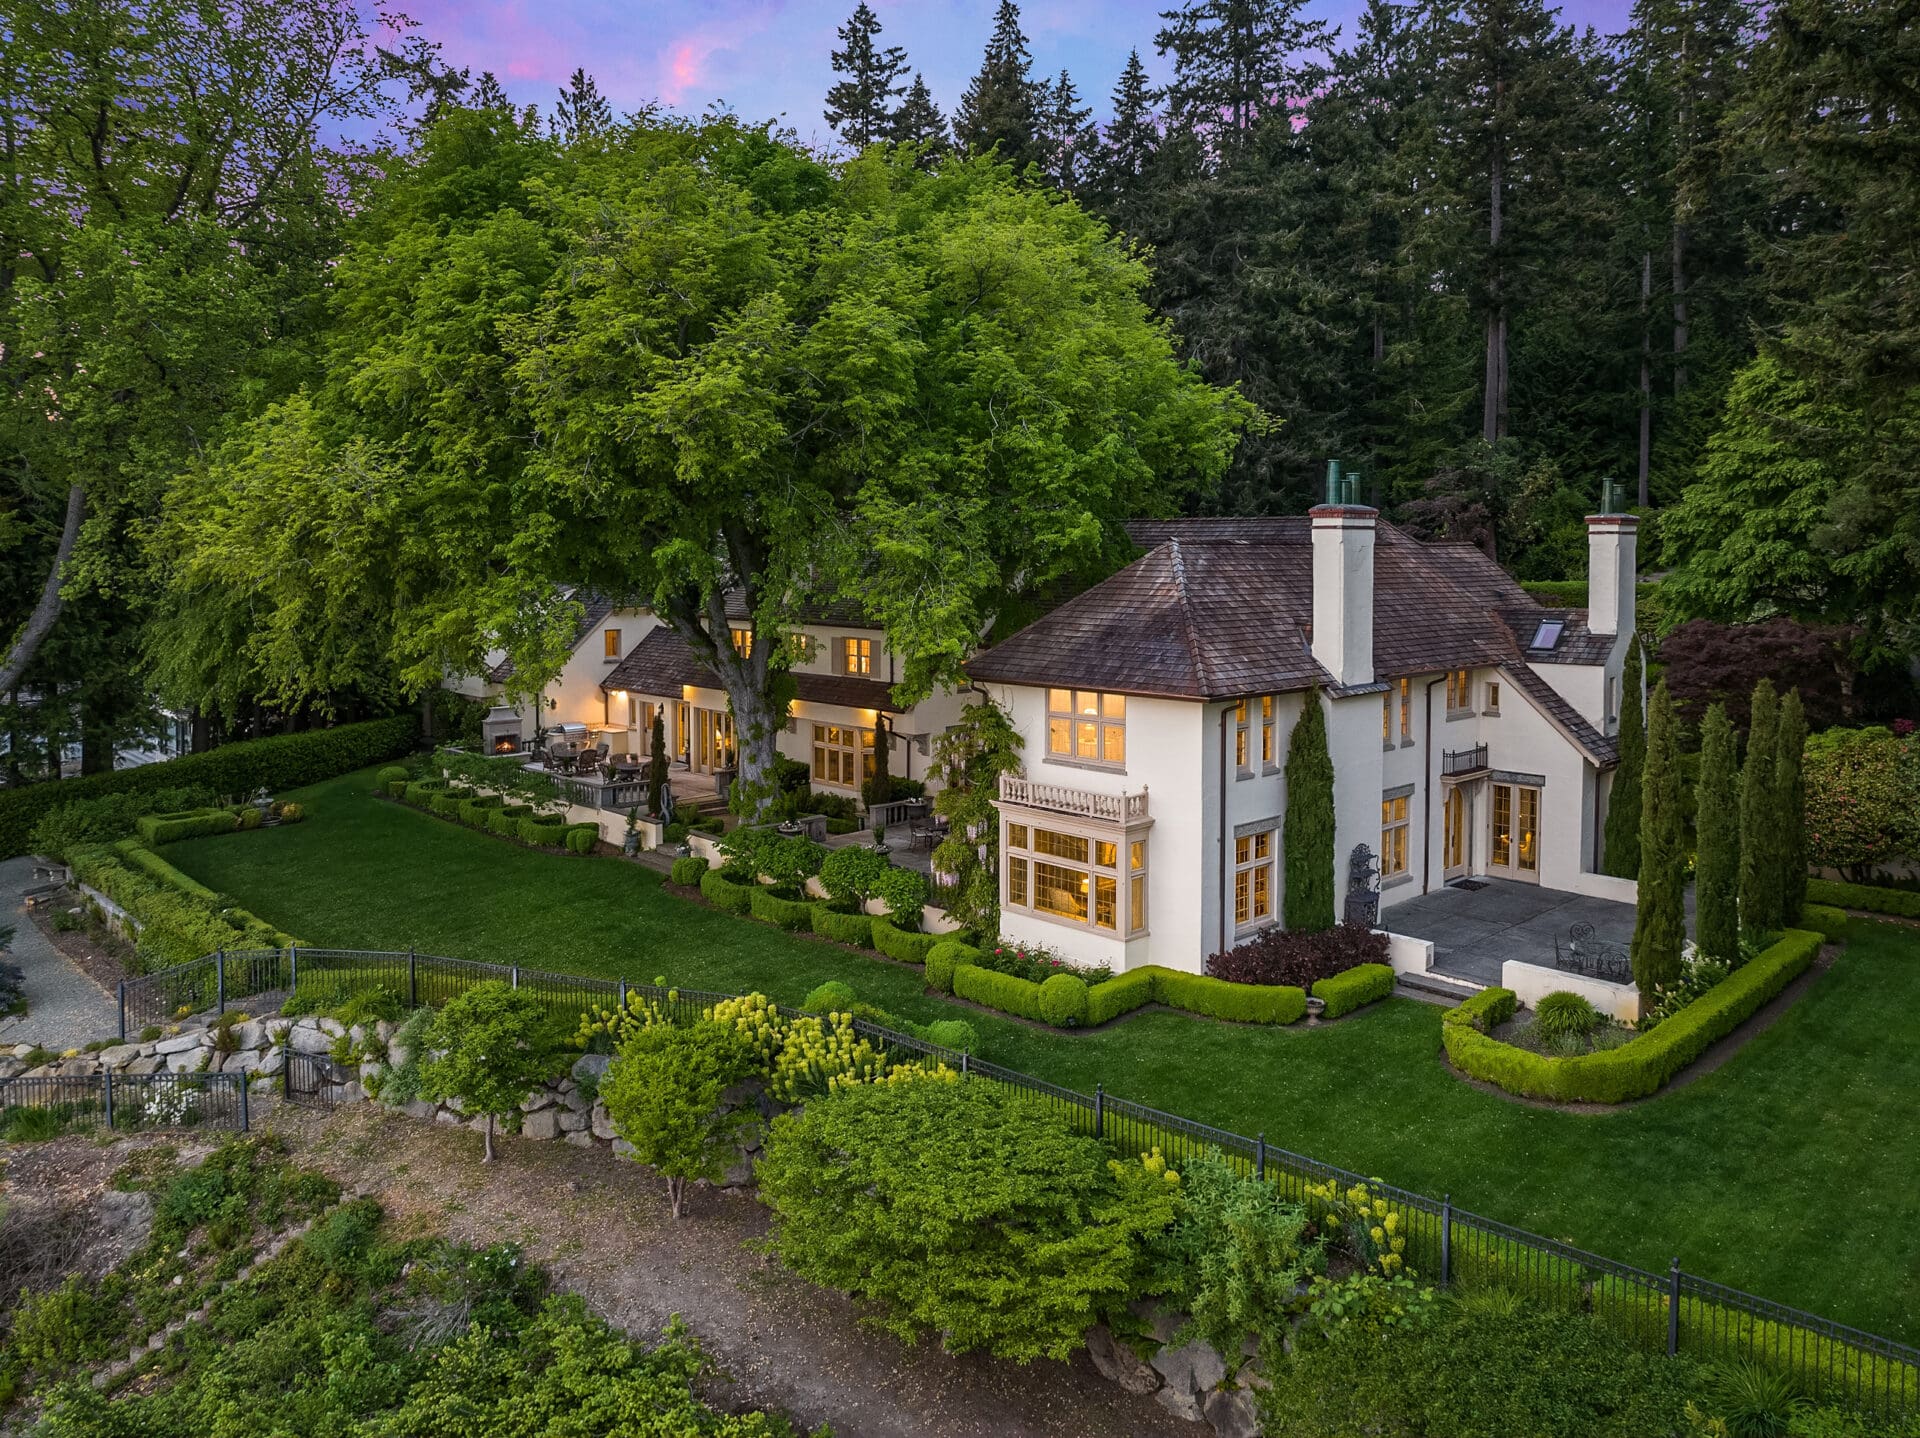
x,y
1343,534
1612,544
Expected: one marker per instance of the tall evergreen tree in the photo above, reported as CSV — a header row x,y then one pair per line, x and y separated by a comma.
x,y
1001,105
581,111
1621,853
1790,806
657,767
1660,915
1716,866
919,122
1236,62
1307,832
1067,134
1127,145
1760,897
861,107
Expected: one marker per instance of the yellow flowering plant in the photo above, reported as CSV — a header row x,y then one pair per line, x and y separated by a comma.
x,y
1371,1228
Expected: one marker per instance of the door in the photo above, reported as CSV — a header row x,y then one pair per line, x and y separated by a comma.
x,y
1456,821
1514,852
713,740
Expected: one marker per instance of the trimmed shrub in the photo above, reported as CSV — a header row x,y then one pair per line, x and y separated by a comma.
x,y
904,892
1345,992
952,1034
832,997
474,811
159,829
507,820
249,818
388,776
1486,1010
1829,923
856,929
998,991
155,867
688,871
1287,956
1063,1001
1900,903
1218,999
1642,1065
850,874
581,838
421,791
1121,994
286,761
723,893
543,833
794,914
109,817
898,943
398,787
674,833
943,958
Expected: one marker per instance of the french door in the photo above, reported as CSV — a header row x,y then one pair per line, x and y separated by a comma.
x,y
1514,851
1456,830
712,740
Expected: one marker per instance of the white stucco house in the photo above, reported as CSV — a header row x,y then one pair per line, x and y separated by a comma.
x,y
1471,729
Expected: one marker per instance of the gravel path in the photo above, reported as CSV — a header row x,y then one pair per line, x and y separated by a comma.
x,y
65,1008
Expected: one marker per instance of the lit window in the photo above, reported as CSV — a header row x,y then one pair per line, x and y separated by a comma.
x,y
742,642
1459,690
1493,696
1078,879
1267,747
842,755
1393,836
1016,836
1253,877
800,646
1386,718
1083,724
1136,886
1017,882
612,641
1060,891
856,656
1406,711
1548,634
1240,737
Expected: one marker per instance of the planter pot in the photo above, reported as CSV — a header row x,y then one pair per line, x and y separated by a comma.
x,y
1315,1007
631,845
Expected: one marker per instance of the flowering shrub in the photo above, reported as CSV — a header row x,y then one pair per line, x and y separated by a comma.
x,y
1863,799
1369,1227
1299,959
169,1105
1036,964
602,1030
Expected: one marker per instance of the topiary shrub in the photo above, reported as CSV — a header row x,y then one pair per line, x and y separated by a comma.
x,y
856,929
1241,1003
249,818
723,893
582,839
897,943
952,1034
832,997
943,958
1004,992
1345,992
688,871
388,777
1063,1001
1562,1014
507,820
1121,994
904,892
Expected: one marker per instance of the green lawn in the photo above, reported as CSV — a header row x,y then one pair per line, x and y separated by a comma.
x,y
1792,1171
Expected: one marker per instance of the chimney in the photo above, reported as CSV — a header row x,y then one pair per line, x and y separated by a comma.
x,y
1343,532
1612,542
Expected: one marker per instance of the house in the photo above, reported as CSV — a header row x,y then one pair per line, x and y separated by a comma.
x,y
1472,730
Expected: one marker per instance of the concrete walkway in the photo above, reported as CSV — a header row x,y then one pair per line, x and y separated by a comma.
x,y
65,1008
1475,931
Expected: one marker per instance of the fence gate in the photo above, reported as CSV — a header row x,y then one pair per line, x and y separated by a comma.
x,y
314,1078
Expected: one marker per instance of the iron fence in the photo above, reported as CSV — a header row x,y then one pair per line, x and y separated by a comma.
x,y
1675,1311
128,1103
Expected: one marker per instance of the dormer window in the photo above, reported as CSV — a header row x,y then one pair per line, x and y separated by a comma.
x,y
1548,634
611,639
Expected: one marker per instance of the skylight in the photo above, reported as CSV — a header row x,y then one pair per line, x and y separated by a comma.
x,y
1548,634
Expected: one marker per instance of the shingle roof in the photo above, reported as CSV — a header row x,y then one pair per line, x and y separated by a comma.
x,y
1600,748
1577,645
594,608
661,664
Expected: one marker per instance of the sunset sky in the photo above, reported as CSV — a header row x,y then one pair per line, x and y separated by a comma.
x,y
769,58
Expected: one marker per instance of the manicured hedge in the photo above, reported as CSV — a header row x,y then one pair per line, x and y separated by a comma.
x,y
1063,1001
507,820
1830,923
1196,993
1005,992
1898,902
177,923
420,793
188,824
582,837
388,776
1345,992
543,833
286,761
1218,999
944,958
794,914
1121,994
474,811
688,871
723,893
897,943
846,928
1642,1065
132,851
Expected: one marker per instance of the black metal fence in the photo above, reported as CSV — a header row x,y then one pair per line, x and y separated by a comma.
x,y
1675,1311
128,1103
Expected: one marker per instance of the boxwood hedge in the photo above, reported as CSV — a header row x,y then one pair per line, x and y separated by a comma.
x,y
898,943
1006,992
1901,903
854,929
1121,994
944,958
793,914
1361,984
723,893
1196,993
188,824
688,871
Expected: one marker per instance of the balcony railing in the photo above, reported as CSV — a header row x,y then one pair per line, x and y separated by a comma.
x,y
1454,763
1081,803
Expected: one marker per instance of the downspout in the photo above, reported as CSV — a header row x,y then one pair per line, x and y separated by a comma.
x,y
1226,717
1426,803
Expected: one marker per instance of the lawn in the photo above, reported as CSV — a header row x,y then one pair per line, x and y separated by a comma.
x,y
1791,1171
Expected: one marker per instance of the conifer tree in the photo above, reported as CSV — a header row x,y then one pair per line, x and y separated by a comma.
x,y
1660,915
657,769
1067,134
1790,811
1308,829
1235,62
1621,854
1127,142
581,111
919,122
1001,105
1760,910
860,108
1716,865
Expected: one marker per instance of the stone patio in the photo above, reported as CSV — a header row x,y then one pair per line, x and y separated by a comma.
x,y
1475,931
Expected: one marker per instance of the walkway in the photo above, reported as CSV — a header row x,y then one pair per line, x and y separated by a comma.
x,y
1475,931
65,1008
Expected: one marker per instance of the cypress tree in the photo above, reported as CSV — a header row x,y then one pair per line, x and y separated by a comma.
x,y
657,765
860,107
1790,800
1716,865
1660,917
1308,831
1760,909
1620,855
879,788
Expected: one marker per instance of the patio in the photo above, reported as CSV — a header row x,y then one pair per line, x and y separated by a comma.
x,y
1475,931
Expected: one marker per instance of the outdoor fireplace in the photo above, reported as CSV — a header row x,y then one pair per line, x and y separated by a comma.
x,y
500,731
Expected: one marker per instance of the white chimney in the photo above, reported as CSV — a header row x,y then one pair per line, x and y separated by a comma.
x,y
1343,590
1612,542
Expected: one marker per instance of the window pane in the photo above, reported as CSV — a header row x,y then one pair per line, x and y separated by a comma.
x,y
1240,712
1086,702
1088,739
1266,706
1017,881
1243,849
1242,897
1061,846
1263,844
1016,836
1115,740
1106,902
1059,701
1114,706
1262,894
1106,853
1136,903
1060,891
1240,748
1138,854
1059,736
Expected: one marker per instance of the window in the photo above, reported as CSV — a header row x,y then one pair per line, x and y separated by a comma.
x,y
612,640
1548,634
742,642
1459,690
800,646
1613,700
1253,877
1269,752
1493,696
1406,711
1241,748
1393,836
856,656
1075,877
1386,719
842,755
1082,724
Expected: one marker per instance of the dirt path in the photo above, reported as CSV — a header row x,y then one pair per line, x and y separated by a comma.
x,y
601,1227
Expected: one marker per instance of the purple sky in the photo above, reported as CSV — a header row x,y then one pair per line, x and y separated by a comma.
x,y
769,58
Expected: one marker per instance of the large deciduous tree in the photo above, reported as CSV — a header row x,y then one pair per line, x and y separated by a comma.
x,y
1660,916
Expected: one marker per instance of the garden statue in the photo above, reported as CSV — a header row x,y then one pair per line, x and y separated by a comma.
x,y
1363,887
263,801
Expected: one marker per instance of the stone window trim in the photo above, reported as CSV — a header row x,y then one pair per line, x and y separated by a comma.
x,y
1394,881
1513,776
1398,791
1254,826
1067,762
1460,694
1254,881
1127,875
1491,705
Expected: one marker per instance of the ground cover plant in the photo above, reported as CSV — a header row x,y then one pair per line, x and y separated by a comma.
x,y
1700,1171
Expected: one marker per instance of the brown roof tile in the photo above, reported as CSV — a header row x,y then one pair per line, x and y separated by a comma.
x,y
661,664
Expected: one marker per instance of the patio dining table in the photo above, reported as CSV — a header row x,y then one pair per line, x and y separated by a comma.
x,y
563,756
626,766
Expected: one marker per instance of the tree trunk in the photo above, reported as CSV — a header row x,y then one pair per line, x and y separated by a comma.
x,y
488,1158
1646,373
40,622
1493,417
199,732
676,1194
